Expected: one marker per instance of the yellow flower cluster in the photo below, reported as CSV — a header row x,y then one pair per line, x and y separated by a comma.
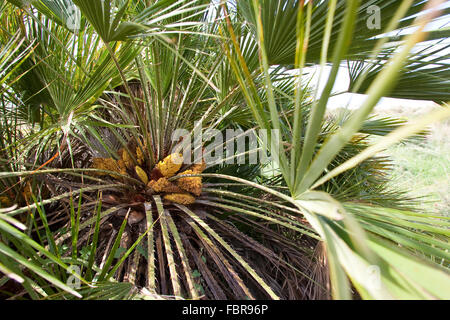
x,y
164,185
107,164
182,190
181,198
190,184
126,158
120,166
170,165
139,156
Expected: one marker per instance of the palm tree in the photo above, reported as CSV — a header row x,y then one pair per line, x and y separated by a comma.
x,y
102,203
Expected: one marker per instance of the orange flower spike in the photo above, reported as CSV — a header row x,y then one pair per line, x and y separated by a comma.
x,y
170,164
164,185
180,198
190,184
139,156
105,164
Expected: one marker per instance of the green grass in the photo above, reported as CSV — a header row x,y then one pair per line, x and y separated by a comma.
x,y
425,171
421,168
424,168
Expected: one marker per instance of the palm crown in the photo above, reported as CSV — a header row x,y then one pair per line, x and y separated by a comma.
x,y
93,91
